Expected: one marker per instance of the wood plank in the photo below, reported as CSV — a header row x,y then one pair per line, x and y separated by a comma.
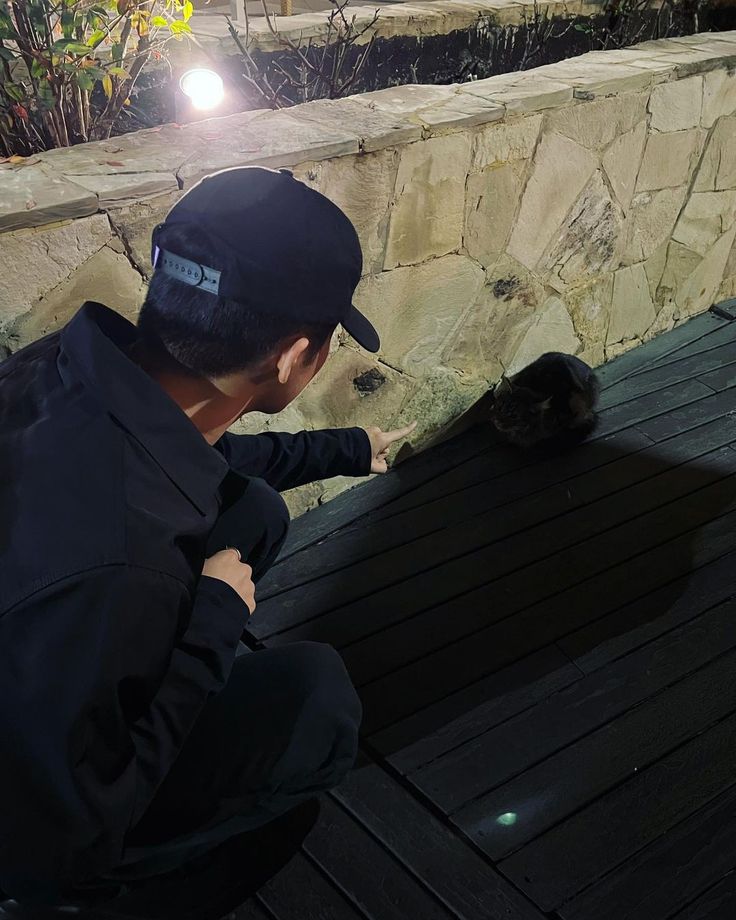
x,y
462,716
251,910
511,574
301,892
653,407
353,860
460,663
658,378
559,517
659,347
371,537
381,490
559,864
444,725
691,415
493,758
721,335
630,627
456,875
696,853
721,379
719,903
550,791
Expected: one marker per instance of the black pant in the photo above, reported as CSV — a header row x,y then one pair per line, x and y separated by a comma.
x,y
283,728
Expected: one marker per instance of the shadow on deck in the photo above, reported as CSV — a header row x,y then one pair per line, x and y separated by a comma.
x,y
545,647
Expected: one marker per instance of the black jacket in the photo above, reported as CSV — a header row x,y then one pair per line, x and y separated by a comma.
x,y
110,639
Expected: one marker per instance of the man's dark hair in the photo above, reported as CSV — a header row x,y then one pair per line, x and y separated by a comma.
x,y
208,335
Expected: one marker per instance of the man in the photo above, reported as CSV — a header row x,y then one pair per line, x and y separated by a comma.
x,y
134,531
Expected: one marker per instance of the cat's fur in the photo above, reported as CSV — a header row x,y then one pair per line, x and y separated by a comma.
x,y
553,398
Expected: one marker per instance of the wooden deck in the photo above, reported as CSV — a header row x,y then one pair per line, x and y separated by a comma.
x,y
545,647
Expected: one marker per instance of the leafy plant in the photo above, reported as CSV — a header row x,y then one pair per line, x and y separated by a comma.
x,y
67,67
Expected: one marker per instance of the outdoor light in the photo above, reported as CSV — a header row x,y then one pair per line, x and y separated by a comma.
x,y
507,819
204,87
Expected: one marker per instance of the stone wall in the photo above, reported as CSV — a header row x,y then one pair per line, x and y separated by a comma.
x,y
583,206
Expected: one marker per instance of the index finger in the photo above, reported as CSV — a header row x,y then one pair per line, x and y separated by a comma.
x,y
399,433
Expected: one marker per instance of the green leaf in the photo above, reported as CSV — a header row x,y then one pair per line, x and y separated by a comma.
x,y
14,91
96,38
70,46
118,72
37,70
178,27
159,22
85,80
187,10
6,54
107,86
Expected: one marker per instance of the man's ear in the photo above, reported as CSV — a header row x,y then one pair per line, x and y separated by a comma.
x,y
291,357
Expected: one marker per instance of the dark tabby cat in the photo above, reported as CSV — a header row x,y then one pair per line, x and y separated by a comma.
x,y
554,397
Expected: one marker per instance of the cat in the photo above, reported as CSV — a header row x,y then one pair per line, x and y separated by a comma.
x,y
553,398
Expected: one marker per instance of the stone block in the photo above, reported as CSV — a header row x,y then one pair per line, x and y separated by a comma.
x,y
275,139
492,199
719,96
704,219
561,170
699,291
115,190
512,140
632,308
408,99
427,218
33,195
354,389
667,161
599,79
374,128
107,276
589,306
622,161
461,111
589,239
681,262
520,93
676,106
598,123
551,329
135,222
490,335
717,170
417,308
363,186
649,223
34,262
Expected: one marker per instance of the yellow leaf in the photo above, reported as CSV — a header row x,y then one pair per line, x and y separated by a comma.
x,y
107,86
127,101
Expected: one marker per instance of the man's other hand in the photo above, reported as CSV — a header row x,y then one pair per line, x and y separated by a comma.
x,y
226,566
381,442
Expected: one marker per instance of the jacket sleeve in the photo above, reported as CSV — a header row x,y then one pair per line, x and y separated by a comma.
x,y
102,676
289,460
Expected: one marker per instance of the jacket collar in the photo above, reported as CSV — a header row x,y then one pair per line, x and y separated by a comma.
x,y
94,342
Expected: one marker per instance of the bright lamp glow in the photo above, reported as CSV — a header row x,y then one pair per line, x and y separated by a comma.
x,y
204,87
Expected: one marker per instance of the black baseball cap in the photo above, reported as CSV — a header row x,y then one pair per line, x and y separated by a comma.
x,y
276,246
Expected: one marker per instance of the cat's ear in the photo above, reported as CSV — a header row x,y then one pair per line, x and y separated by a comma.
x,y
575,376
504,387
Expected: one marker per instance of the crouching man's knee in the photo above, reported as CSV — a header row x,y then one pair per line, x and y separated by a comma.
x,y
324,744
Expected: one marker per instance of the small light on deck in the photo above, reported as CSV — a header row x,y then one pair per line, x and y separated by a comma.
x,y
507,818
204,87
